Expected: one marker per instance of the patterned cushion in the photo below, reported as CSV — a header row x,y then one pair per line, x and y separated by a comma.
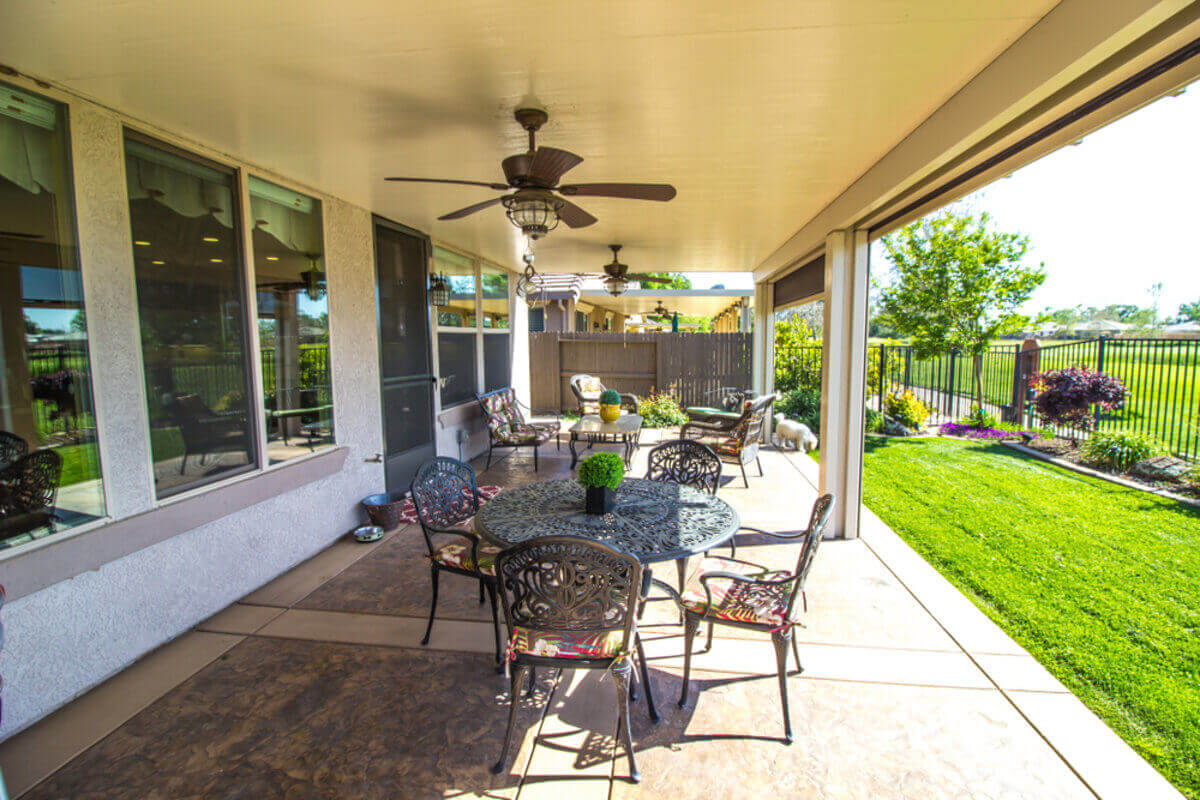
x,y
526,434
727,446
566,644
408,511
590,385
458,555
735,600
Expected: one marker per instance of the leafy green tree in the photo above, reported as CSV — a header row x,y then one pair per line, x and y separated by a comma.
x,y
957,285
79,321
661,280
1189,312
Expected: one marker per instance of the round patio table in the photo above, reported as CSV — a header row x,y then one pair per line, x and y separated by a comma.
x,y
651,521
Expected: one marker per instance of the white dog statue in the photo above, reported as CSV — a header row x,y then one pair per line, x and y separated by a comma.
x,y
796,433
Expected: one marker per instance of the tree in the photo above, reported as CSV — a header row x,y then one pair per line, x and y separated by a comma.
x,y
1189,312
661,280
957,285
79,321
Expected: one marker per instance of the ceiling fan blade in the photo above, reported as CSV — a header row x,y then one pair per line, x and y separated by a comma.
x,y
574,216
462,212
549,164
19,235
661,192
499,186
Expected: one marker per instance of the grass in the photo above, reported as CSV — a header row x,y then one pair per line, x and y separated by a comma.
x,y
1099,582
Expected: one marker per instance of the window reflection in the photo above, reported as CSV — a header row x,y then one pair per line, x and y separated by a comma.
x,y
293,320
459,272
49,462
192,314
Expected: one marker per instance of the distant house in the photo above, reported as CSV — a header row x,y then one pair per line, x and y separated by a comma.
x,y
1100,327
1182,330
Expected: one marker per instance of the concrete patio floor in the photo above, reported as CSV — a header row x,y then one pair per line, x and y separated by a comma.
x,y
315,685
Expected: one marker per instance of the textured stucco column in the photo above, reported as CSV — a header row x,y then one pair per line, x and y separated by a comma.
x,y
843,376
519,323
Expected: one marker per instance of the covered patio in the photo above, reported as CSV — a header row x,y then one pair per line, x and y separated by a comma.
x,y
316,685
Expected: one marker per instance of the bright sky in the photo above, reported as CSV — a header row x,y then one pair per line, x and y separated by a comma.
x,y
1112,216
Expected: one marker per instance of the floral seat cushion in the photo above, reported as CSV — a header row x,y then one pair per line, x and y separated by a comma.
x,y
736,600
567,644
408,511
458,555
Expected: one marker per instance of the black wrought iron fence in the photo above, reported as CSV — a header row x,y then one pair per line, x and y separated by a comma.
x,y
1162,377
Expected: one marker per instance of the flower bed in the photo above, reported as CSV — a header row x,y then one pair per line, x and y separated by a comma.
x,y
972,432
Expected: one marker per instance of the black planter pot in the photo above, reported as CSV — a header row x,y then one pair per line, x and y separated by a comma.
x,y
599,499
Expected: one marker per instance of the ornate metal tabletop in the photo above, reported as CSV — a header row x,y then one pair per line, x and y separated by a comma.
x,y
652,521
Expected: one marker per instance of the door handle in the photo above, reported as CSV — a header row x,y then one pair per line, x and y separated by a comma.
x,y
375,459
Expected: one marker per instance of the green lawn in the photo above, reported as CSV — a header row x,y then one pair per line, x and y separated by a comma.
x,y
1099,582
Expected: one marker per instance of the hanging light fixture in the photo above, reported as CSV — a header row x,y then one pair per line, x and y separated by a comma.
x,y
314,279
439,290
534,211
615,283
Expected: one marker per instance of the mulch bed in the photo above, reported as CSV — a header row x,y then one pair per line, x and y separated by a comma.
x,y
1069,451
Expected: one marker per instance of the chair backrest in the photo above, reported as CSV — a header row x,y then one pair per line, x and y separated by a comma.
x,y
586,388
687,462
444,493
813,536
570,584
749,429
12,448
501,409
33,483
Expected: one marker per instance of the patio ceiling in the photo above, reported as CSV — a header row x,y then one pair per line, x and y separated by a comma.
x,y
760,114
698,302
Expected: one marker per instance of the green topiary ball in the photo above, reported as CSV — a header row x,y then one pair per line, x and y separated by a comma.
x,y
610,397
602,469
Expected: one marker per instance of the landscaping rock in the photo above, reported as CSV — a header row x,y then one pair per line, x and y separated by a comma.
x,y
1161,468
893,427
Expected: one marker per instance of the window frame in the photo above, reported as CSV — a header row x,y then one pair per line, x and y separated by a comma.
x,y
239,195
477,330
252,288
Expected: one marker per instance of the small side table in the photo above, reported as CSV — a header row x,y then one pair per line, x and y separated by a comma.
x,y
626,431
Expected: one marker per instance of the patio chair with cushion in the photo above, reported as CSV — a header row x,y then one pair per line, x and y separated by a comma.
x,y
29,492
571,603
725,403
446,497
587,390
740,594
205,432
507,425
735,440
12,447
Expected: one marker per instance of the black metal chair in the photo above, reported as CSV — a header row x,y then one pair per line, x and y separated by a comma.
x,y
446,497
205,432
735,440
571,603
740,594
12,448
687,462
29,492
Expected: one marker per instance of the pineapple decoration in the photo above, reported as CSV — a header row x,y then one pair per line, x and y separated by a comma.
x,y
610,405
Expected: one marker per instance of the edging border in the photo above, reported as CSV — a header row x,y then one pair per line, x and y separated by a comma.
x,y
1128,484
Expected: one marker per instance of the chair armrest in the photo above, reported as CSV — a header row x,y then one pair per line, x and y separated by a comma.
x,y
630,397
773,534
702,429
474,538
669,589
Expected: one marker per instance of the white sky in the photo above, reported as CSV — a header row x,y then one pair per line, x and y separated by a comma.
x,y
1113,215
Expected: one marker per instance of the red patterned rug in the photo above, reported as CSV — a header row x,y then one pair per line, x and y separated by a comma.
x,y
408,512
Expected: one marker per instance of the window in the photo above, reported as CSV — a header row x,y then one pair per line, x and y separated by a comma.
x,y
537,320
456,324
192,312
46,414
496,338
581,322
293,320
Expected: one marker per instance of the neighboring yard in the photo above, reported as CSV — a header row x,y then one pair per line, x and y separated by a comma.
x,y
1099,582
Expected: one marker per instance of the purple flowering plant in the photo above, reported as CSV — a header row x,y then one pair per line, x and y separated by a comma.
x,y
971,432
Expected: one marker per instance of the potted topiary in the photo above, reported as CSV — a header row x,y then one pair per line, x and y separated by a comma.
x,y
610,405
600,475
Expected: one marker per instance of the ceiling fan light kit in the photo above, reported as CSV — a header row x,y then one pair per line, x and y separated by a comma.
x,y
615,283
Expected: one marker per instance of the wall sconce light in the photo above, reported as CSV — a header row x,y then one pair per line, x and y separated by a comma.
x,y
439,290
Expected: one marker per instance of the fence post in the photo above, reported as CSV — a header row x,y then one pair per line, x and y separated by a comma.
x,y
952,385
882,373
1100,348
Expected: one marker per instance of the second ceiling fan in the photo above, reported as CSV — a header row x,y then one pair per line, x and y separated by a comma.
x,y
536,206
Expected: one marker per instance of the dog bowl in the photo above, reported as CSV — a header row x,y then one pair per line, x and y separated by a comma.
x,y
368,533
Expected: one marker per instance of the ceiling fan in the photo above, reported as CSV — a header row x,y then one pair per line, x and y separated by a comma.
x,y
658,311
616,282
535,206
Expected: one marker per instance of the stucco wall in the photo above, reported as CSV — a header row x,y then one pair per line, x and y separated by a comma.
x,y
66,638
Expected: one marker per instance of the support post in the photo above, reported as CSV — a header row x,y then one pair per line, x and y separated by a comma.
x,y
763,347
844,375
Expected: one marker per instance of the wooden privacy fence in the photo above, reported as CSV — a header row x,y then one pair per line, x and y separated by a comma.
x,y
687,365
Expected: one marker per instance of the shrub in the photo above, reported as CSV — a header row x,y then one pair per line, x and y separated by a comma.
x,y
1119,450
610,397
602,469
661,411
802,405
979,417
1193,478
1066,396
906,409
873,421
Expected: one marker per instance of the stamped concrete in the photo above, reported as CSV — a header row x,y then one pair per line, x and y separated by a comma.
x,y
908,691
